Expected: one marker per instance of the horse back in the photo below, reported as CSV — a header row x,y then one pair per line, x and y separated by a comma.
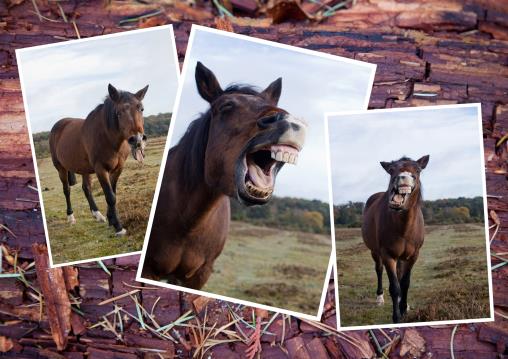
x,y
66,146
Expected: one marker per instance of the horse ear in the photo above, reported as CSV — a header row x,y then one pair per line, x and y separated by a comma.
x,y
272,92
208,86
141,93
114,95
387,166
422,162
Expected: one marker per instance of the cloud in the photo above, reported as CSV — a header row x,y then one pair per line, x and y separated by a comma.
x,y
311,85
449,135
70,79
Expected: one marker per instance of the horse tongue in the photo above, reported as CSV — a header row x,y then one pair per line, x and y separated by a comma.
x,y
139,155
398,198
258,177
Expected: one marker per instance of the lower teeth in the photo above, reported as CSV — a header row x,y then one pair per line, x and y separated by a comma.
x,y
255,191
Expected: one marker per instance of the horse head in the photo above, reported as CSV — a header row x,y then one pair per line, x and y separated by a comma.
x,y
126,117
405,186
250,138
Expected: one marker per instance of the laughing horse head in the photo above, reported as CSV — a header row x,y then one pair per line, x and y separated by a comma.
x,y
393,229
234,150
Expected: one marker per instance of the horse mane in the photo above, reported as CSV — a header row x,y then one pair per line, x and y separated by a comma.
x,y
109,110
195,139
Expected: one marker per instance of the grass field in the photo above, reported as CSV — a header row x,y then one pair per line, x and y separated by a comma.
x,y
449,281
281,268
88,238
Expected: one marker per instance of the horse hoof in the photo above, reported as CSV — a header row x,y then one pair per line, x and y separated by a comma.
x,y
98,216
71,219
380,300
121,233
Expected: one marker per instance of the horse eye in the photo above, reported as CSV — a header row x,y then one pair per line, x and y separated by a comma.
x,y
140,107
228,106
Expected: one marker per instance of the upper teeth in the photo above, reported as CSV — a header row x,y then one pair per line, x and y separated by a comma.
x,y
283,156
404,190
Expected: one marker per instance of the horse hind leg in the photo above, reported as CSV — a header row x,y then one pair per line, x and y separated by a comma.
x,y
64,178
380,300
87,189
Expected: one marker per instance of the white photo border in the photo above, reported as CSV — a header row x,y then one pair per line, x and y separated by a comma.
x,y
30,134
327,118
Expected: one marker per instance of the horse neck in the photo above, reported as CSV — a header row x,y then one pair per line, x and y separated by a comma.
x,y
195,198
100,128
402,220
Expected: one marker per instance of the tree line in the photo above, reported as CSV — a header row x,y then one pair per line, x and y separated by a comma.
x,y
313,215
441,211
155,126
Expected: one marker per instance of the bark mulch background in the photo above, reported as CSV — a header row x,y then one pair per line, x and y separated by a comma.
x,y
437,52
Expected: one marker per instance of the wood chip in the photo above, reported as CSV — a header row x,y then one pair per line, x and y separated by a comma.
x,y
412,343
56,299
5,344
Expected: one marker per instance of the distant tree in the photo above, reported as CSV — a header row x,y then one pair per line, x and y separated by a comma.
x,y
155,126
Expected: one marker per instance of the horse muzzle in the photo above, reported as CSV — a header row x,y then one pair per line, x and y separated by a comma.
x,y
280,143
138,144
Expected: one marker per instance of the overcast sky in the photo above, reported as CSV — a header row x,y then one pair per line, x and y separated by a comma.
x,y
449,135
70,79
311,85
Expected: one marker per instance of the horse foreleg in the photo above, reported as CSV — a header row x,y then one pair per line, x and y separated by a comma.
x,y
114,177
404,284
87,189
395,292
380,300
104,179
63,174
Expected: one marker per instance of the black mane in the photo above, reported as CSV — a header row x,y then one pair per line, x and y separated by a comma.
x,y
109,109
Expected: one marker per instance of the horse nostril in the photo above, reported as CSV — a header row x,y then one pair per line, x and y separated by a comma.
x,y
144,137
132,140
266,121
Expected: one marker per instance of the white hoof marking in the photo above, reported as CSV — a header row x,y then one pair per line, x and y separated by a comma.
x,y
121,233
380,300
98,216
71,219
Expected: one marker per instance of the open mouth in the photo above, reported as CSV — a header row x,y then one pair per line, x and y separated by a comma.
x,y
138,147
261,168
399,196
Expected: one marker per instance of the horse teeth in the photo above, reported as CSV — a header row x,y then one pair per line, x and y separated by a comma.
x,y
285,157
274,154
292,158
278,157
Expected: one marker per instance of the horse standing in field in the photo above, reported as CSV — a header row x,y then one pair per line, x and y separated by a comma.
x,y
393,229
234,150
100,144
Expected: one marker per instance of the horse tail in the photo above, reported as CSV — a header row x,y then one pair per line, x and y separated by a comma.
x,y
71,176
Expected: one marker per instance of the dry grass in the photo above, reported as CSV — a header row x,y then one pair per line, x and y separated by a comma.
x,y
280,268
449,280
87,238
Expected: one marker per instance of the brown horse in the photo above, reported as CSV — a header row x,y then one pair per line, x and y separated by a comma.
x,y
99,144
393,229
234,150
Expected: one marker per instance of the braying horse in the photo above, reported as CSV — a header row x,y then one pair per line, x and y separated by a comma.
x,y
234,150
393,229
99,144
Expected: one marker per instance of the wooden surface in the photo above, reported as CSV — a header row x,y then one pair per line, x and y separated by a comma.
x,y
441,52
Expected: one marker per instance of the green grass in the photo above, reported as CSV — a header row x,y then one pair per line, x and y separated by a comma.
x,y
449,281
280,268
90,239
